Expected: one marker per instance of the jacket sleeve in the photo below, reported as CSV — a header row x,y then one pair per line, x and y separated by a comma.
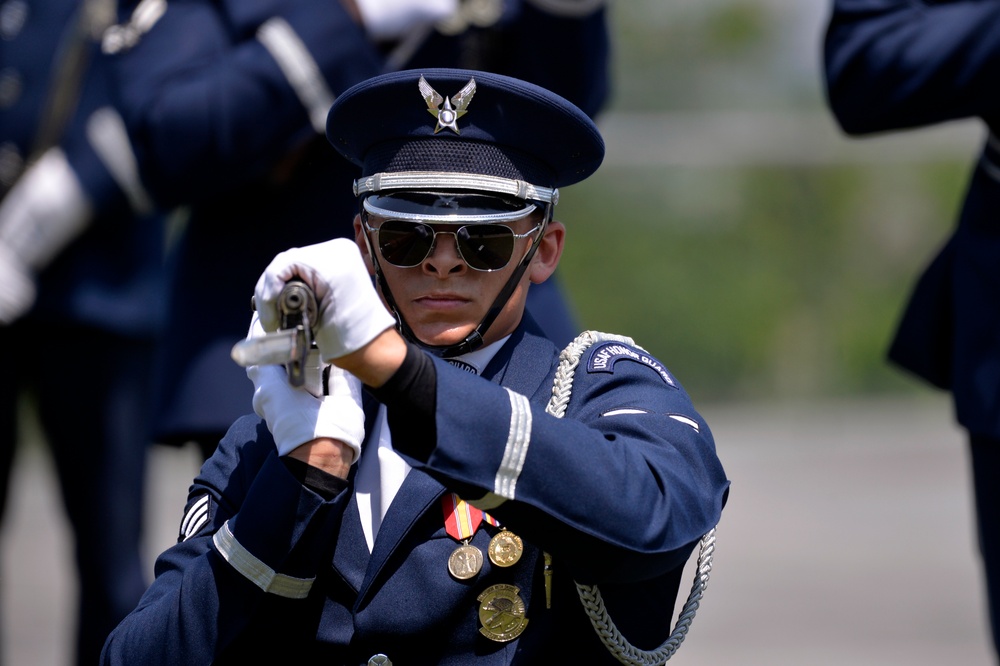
x,y
619,489
251,542
565,53
893,64
216,94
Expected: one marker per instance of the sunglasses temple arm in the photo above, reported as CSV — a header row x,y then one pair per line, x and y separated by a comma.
x,y
475,339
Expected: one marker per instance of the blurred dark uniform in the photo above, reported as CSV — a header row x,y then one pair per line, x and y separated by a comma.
x,y
85,349
893,64
225,102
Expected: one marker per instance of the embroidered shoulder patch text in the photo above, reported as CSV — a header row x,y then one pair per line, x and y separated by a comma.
x,y
604,356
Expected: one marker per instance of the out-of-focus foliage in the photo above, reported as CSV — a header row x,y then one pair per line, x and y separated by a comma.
x,y
749,278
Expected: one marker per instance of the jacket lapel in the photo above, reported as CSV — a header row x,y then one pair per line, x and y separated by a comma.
x,y
350,556
418,494
517,367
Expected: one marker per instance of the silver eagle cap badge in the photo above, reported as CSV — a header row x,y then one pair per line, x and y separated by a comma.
x,y
452,109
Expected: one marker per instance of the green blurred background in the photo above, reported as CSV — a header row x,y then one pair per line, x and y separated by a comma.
x,y
733,231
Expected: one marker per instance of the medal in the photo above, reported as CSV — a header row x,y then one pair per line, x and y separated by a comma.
x,y
505,548
501,612
465,562
461,520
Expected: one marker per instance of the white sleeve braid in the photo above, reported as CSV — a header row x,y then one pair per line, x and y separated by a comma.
x,y
518,439
257,572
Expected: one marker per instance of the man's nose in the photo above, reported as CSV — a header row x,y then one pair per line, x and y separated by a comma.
x,y
444,257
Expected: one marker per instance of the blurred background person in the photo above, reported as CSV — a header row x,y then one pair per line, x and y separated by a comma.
x,y
895,64
80,294
225,103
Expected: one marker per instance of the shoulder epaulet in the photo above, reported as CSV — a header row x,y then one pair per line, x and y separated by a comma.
x,y
590,595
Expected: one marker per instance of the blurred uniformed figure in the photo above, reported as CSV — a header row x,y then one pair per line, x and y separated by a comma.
x,y
493,472
226,101
80,293
897,64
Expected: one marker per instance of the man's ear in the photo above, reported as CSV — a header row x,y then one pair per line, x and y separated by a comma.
x,y
361,238
549,251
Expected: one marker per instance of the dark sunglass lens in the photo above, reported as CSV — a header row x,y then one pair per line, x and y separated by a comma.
x,y
486,247
404,244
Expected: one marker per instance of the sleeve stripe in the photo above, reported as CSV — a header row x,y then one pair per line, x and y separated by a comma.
x,y
256,571
517,446
195,517
684,419
299,67
109,138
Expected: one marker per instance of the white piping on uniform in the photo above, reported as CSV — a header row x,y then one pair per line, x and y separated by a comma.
x,y
299,67
109,138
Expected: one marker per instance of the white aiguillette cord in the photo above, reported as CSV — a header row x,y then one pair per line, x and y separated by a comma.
x,y
590,596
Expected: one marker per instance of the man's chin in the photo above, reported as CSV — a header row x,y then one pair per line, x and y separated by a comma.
x,y
445,338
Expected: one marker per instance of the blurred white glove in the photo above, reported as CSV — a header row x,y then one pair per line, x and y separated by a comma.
x,y
17,287
296,415
393,19
349,311
44,211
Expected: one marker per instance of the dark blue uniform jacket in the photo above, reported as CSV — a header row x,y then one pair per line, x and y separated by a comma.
x,y
893,64
618,492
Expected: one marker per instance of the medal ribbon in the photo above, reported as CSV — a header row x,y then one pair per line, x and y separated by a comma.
x,y
461,519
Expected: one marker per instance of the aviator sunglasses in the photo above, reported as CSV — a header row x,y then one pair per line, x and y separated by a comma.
x,y
482,246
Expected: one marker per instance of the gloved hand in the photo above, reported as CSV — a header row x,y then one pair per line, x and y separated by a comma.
x,y
44,211
349,312
296,415
393,19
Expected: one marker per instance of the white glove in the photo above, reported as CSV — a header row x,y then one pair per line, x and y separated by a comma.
x,y
393,19
17,287
349,311
39,217
296,415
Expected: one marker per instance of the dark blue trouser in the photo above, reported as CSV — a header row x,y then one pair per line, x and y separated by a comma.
x,y
91,390
986,481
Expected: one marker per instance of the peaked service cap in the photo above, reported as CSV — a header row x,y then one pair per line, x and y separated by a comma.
x,y
463,130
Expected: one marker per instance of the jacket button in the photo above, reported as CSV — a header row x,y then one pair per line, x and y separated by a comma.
x,y
379,660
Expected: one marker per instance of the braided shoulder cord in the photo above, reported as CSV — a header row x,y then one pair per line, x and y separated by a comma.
x,y
590,596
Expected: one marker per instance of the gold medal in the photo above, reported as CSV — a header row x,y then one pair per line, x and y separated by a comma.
x,y
465,562
505,548
501,612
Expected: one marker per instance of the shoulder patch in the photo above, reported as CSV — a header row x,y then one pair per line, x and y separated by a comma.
x,y
603,358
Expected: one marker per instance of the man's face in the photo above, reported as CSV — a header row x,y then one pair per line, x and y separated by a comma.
x,y
443,300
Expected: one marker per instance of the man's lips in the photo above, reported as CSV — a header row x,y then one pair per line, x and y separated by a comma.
x,y
442,300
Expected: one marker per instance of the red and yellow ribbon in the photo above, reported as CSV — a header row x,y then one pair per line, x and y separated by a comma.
x,y
461,519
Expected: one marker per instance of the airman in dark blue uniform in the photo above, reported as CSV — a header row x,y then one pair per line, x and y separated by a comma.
x,y
80,293
499,484
896,64
226,101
